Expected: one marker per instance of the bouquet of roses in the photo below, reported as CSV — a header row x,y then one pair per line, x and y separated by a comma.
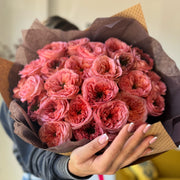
x,y
82,89
70,87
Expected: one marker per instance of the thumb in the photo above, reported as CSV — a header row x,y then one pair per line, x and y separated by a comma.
x,y
87,151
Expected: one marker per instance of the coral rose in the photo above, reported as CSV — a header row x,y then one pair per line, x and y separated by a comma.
x,y
79,114
136,83
111,116
99,90
55,133
64,84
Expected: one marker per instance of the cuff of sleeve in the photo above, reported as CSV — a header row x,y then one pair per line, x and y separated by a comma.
x,y
61,169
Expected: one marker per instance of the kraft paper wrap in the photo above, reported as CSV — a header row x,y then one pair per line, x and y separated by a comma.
x,y
129,26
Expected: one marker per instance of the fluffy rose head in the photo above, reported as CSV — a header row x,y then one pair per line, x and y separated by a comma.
x,y
79,113
64,84
89,50
89,131
53,65
136,83
114,45
126,60
54,50
111,116
33,68
79,65
157,85
29,88
143,61
136,106
55,133
99,90
156,102
74,44
105,67
52,110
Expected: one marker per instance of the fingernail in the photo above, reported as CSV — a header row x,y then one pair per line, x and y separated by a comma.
x,y
131,126
153,140
103,139
146,128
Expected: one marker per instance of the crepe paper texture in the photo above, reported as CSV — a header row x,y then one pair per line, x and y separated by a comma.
x,y
129,26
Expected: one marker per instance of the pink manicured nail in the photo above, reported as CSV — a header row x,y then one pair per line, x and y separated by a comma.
x,y
153,140
146,128
131,126
103,139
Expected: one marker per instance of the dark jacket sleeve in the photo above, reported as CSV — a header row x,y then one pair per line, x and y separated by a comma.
x,y
39,162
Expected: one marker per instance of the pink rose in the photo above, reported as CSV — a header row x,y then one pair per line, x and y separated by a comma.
x,y
126,60
99,90
136,83
64,84
33,68
89,50
136,106
143,61
74,44
79,113
55,133
79,65
114,45
155,104
89,131
53,51
157,85
52,66
111,116
52,110
105,67
29,88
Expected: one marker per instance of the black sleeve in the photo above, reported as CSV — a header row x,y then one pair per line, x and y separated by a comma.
x,y
39,162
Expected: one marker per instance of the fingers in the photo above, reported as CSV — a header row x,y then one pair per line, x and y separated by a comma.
x,y
113,151
87,151
140,150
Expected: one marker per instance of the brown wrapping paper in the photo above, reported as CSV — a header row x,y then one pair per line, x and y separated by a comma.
x,y
133,32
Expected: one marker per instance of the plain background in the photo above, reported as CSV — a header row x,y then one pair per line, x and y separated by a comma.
x,y
162,19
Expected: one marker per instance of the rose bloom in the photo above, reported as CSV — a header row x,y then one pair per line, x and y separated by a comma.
x,y
34,67
33,106
89,50
114,45
55,133
64,84
53,65
79,65
136,83
79,114
89,131
52,110
29,88
54,50
111,116
126,60
136,106
157,85
105,67
74,44
155,102
97,90
142,61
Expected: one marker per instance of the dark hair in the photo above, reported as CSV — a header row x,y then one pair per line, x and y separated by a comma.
x,y
57,22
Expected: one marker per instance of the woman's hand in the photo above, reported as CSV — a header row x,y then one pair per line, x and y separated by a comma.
x,y
125,149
